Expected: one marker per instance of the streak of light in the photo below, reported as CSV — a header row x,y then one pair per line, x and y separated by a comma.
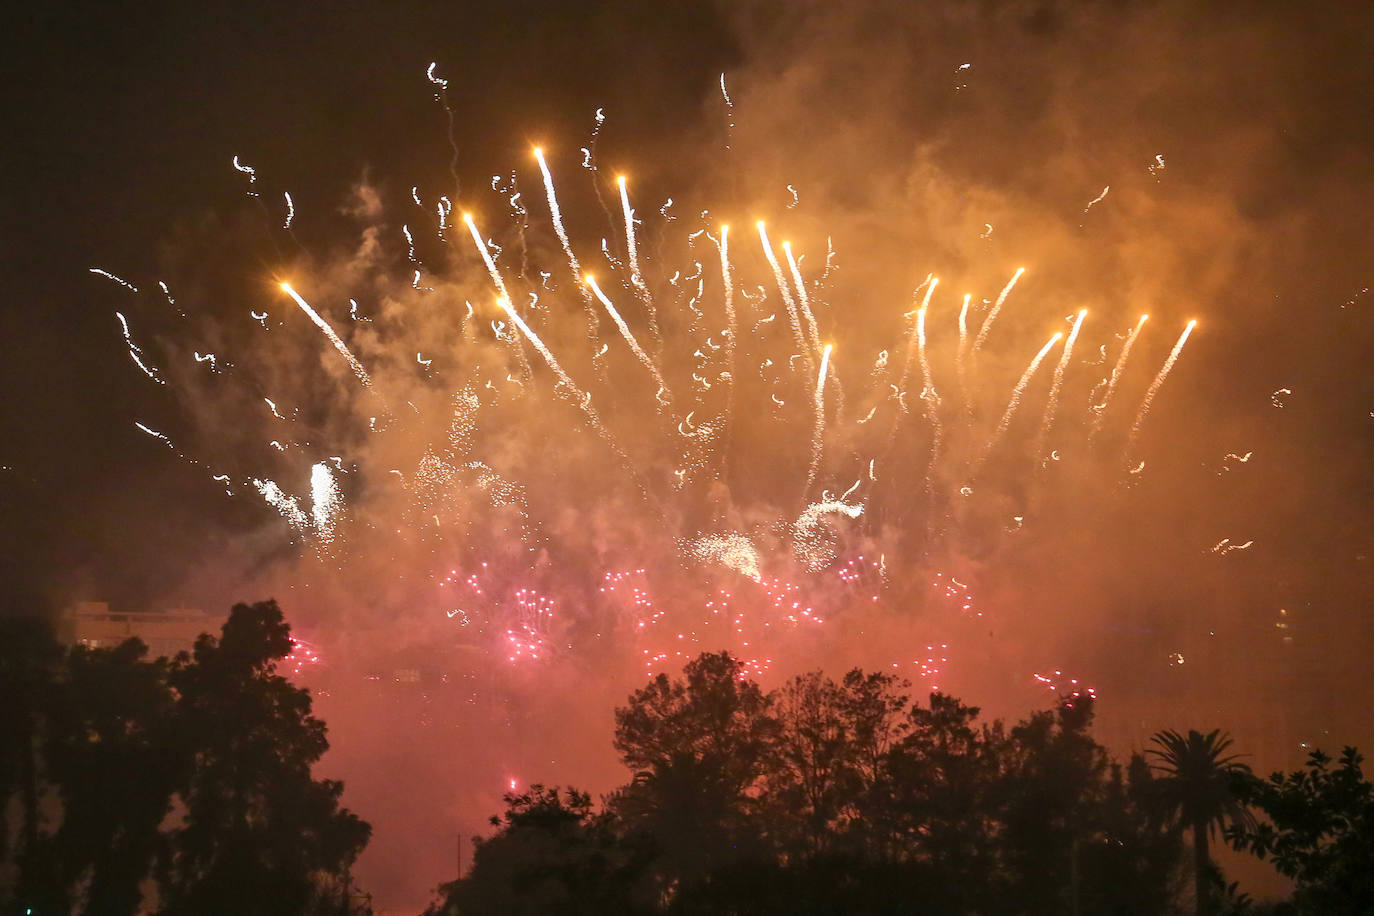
x,y
996,310
818,427
323,325
1100,409
1056,383
1098,199
803,301
626,332
136,353
109,276
786,293
1157,383
1019,390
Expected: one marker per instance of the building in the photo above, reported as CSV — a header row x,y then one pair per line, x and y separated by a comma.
x,y
93,624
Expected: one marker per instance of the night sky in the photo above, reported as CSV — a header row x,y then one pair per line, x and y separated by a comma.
x,y
1239,154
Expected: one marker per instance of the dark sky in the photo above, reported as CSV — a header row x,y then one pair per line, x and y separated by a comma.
x,y
123,120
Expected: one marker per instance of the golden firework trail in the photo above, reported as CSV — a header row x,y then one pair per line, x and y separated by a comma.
x,y
1057,383
557,216
323,325
818,426
787,298
1100,409
632,251
1150,393
628,335
1018,391
803,301
996,309
916,337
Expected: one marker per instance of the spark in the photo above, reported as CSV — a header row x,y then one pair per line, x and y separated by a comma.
x,y
120,280
323,325
288,506
250,172
1232,456
783,290
810,544
803,301
135,353
729,112
155,434
916,337
1224,546
326,502
557,216
290,210
734,551
625,332
1277,398
1159,381
818,428
1057,382
1098,199
1100,410
1019,390
632,252
996,310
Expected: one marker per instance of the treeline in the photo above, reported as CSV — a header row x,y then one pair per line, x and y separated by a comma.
x,y
186,778
846,797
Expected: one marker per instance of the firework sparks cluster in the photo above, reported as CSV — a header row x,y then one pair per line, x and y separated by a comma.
x,y
664,439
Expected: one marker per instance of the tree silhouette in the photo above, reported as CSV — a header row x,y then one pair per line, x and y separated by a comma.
x,y
1320,833
260,835
943,779
698,748
552,854
30,665
1202,784
115,761
834,798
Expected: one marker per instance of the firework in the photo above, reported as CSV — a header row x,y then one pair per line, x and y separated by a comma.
x,y
657,517
1150,393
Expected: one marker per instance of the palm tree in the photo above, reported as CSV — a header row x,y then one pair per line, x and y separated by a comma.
x,y
1198,783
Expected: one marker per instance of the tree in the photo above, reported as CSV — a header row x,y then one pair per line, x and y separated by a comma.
x,y
1320,833
30,665
1049,802
1134,865
817,777
551,854
113,757
699,749
943,782
260,834
1202,784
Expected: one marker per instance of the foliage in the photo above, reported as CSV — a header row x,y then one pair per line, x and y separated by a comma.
x,y
551,855
1204,786
194,772
834,797
1320,832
